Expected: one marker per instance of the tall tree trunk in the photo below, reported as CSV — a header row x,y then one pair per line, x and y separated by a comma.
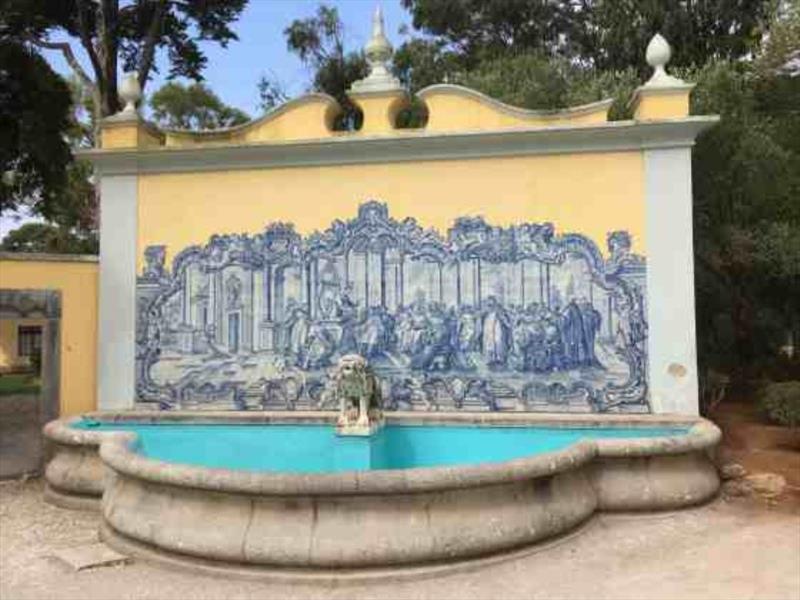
x,y
107,53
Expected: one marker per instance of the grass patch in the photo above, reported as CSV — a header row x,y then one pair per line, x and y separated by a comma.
x,y
19,383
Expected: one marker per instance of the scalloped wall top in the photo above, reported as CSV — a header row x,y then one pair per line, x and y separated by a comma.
x,y
450,108
457,108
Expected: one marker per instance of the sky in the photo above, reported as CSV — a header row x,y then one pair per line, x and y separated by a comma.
x,y
233,72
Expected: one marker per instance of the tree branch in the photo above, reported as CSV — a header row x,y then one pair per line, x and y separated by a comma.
x,y
69,56
86,41
149,47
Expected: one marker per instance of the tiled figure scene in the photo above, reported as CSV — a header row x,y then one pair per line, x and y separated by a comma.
x,y
479,317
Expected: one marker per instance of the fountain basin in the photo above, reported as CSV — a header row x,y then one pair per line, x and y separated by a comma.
x,y
395,515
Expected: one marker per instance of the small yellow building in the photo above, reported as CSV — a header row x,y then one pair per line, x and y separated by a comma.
x,y
20,341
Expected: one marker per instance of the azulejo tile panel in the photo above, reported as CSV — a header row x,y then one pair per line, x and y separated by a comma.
x,y
480,317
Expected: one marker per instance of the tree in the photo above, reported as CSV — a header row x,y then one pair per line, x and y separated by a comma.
x,y
531,80
608,34
421,62
193,106
126,33
747,218
612,33
319,42
270,93
780,51
35,112
49,238
480,29
112,34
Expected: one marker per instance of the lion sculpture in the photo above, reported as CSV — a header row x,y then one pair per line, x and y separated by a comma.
x,y
359,396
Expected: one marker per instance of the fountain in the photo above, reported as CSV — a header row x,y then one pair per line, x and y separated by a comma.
x,y
530,377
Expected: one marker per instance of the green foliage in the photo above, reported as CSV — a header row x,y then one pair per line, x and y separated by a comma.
x,y
124,33
481,29
19,383
77,205
35,103
420,62
37,113
781,402
49,238
34,115
319,42
780,53
193,106
747,218
534,81
608,34
613,33
529,80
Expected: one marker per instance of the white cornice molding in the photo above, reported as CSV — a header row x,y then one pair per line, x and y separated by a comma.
x,y
411,146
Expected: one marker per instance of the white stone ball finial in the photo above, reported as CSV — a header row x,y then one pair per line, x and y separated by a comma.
x,y
130,91
658,52
657,55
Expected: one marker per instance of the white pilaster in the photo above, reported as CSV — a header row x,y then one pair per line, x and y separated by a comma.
x,y
116,346
672,352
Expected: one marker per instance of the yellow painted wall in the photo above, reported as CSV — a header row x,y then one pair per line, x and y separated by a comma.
x,y
661,104
309,117
580,193
77,282
127,134
453,112
8,341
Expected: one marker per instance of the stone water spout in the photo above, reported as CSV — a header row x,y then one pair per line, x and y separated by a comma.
x,y
358,395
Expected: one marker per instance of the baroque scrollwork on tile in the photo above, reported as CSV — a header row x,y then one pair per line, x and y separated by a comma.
x,y
482,318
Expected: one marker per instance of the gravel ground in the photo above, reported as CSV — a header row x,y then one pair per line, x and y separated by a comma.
x,y
20,434
725,550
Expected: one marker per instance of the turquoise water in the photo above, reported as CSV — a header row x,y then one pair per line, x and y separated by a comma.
x,y
316,448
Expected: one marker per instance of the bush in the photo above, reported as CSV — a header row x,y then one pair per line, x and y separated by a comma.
x,y
781,402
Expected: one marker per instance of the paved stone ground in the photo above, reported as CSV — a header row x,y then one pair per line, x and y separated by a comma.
x,y
20,434
725,550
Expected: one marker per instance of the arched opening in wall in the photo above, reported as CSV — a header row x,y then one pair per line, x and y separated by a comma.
x,y
350,119
29,376
414,116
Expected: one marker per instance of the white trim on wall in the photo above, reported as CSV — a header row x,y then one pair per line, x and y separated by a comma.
x,y
672,355
406,146
117,293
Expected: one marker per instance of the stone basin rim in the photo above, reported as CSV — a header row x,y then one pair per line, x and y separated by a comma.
x,y
116,450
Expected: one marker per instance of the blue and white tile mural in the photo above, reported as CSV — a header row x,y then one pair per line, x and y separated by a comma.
x,y
482,318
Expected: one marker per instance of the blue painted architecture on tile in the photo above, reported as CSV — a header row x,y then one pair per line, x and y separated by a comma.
x,y
480,318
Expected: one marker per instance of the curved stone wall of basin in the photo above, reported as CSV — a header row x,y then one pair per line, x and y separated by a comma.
x,y
378,518
75,475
